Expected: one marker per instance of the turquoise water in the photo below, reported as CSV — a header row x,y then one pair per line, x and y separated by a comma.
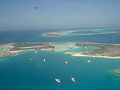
x,y
19,73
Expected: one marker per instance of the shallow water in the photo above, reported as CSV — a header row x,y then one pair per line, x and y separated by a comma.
x,y
83,49
19,73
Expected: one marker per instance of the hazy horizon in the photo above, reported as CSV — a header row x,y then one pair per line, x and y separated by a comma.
x,y
62,14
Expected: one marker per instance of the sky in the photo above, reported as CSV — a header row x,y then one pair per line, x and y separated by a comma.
x,y
57,14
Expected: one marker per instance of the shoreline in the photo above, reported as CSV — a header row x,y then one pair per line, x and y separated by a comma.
x,y
83,55
104,50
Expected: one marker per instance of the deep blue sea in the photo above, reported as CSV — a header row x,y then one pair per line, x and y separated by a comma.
x,y
18,73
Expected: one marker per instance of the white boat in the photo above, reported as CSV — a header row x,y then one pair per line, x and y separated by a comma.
x,y
44,60
36,52
57,80
88,61
66,62
73,79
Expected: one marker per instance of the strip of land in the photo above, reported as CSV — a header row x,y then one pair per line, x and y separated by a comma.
x,y
103,50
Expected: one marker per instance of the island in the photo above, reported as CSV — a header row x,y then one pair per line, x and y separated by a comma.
x,y
80,49
76,33
59,33
104,51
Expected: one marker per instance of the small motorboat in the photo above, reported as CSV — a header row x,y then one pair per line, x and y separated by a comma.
x,y
88,61
57,80
73,79
44,60
66,62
